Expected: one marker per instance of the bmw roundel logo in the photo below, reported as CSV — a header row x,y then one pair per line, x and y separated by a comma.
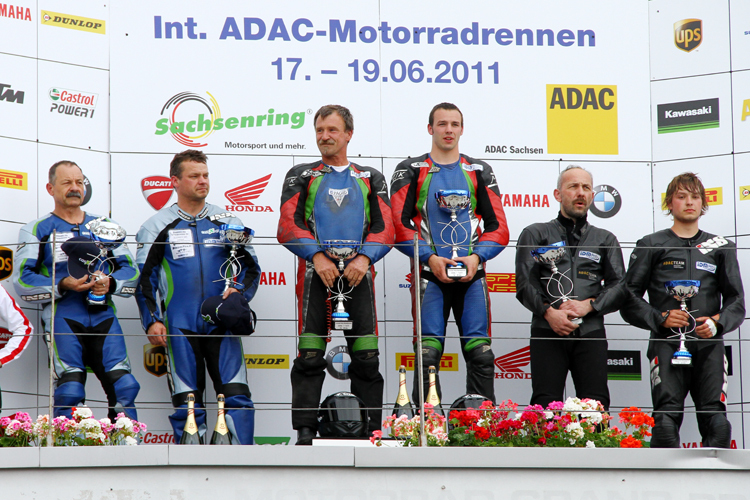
x,y
607,201
338,362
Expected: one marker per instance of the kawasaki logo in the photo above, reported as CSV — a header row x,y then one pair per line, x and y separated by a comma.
x,y
688,115
624,365
241,197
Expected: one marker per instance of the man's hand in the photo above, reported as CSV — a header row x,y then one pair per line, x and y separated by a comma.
x,y
703,330
76,285
472,264
326,269
437,266
229,291
560,321
578,307
356,269
101,283
157,334
677,319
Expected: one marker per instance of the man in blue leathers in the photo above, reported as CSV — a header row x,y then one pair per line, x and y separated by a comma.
x,y
180,254
85,335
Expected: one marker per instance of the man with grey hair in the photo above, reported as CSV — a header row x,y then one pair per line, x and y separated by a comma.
x,y
568,335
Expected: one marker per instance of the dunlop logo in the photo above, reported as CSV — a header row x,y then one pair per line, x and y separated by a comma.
x,y
267,361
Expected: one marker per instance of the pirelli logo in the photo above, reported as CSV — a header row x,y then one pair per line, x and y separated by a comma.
x,y
714,196
448,363
501,282
267,361
14,180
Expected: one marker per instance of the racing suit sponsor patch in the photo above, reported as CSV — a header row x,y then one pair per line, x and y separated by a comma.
x,y
360,175
590,255
420,164
705,266
712,244
61,238
472,167
588,275
181,242
655,379
338,195
673,264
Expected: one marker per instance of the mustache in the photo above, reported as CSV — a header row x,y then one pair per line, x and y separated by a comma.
x,y
329,142
73,194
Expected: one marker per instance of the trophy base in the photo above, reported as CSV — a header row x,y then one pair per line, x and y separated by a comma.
x,y
576,321
456,272
96,300
682,361
342,325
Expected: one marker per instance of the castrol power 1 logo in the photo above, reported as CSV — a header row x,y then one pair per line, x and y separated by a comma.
x,y
448,363
73,102
157,190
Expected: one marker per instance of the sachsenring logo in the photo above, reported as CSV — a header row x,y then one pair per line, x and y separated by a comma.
x,y
242,196
510,364
189,105
157,190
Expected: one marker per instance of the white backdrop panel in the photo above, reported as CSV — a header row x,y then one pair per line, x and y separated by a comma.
x,y
18,25
741,110
18,105
18,182
740,34
57,38
742,183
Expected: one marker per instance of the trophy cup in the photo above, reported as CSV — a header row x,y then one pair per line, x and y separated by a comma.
x,y
106,236
453,201
341,250
234,237
551,255
682,290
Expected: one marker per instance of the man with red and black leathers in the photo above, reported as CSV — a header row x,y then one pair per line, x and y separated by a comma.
x,y
415,210
333,199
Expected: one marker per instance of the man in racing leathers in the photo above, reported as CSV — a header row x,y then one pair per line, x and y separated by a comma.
x,y
593,272
334,199
15,322
85,335
180,254
684,252
414,185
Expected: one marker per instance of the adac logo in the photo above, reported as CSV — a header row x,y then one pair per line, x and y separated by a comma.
x,y
242,196
6,263
190,118
14,180
688,34
501,282
157,190
511,364
607,201
525,200
267,361
744,193
17,12
272,278
73,22
73,102
745,109
155,359
448,362
338,362
582,119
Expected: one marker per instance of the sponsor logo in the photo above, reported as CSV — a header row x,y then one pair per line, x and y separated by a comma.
x,y
360,175
744,193
269,278
155,359
7,94
160,438
745,109
624,365
714,196
687,115
14,180
225,215
673,264
190,118
338,362
712,244
582,119
525,200
408,278
157,190
241,197
473,167
73,22
501,282
274,440
270,361
607,201
523,150
688,34
38,296
6,263
696,444
448,363
72,102
128,290
338,195
511,364
705,266
420,164
15,12
590,255
5,336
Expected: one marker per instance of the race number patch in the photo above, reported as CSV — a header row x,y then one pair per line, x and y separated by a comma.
x,y
181,243
61,238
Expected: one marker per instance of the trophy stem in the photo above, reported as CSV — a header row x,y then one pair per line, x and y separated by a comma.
x,y
229,279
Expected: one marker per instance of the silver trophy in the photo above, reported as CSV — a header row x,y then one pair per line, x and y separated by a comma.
x,y
107,236
682,290
551,255
342,250
235,237
454,201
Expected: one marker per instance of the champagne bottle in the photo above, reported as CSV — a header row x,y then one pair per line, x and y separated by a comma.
x,y
403,406
221,433
432,396
190,434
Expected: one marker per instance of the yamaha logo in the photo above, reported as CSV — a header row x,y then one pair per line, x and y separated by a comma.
x,y
607,202
338,362
157,190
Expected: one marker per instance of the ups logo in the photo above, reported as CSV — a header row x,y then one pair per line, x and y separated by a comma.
x,y
155,359
6,263
688,34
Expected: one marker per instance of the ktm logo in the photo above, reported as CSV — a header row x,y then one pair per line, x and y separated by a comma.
x,y
242,197
510,364
501,282
448,363
157,190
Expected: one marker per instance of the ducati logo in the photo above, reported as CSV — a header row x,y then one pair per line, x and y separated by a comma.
x,y
242,196
510,364
157,190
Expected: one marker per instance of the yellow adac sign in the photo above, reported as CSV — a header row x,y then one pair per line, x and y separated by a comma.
x,y
582,119
73,22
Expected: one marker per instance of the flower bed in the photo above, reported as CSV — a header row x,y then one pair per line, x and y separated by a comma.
x,y
574,423
82,430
